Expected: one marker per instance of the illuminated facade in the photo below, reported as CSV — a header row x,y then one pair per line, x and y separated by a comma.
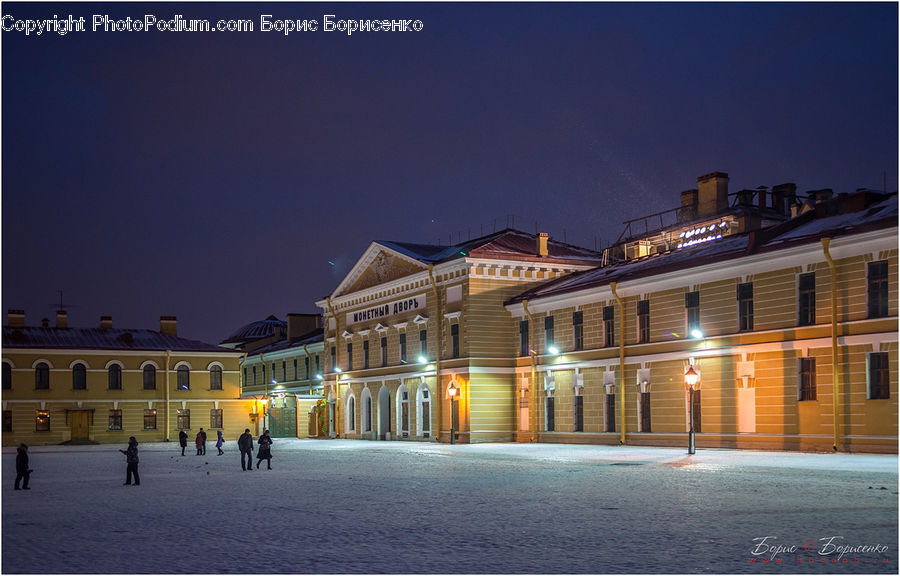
x,y
282,372
411,321
99,385
794,306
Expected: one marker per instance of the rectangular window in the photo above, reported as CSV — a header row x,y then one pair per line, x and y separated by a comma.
x,y
645,412
42,421
384,351
253,383
423,343
317,364
215,378
523,338
149,377
215,418
368,413
305,368
745,306
549,338
366,354
806,305
609,326
879,376
454,340
296,375
149,419
549,414
877,280
184,419
403,347
643,312
284,371
579,414
578,329
115,419
610,412
7,420
692,312
7,376
807,379
349,356
273,372
333,358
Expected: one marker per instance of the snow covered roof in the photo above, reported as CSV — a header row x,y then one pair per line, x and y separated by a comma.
x,y
306,339
256,330
101,339
847,214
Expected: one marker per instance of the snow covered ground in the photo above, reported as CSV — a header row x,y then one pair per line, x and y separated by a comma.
x,y
338,506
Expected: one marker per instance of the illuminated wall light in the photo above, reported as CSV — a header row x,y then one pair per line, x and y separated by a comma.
x,y
553,350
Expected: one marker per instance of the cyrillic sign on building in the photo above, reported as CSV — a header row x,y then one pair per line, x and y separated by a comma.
x,y
385,310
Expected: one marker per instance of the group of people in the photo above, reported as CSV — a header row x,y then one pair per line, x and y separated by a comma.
x,y
245,445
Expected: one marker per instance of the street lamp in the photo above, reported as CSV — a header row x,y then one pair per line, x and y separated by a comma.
x,y
265,412
691,382
453,390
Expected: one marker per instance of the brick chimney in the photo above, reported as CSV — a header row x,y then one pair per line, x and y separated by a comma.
x,y
712,194
783,195
688,211
168,325
15,318
542,240
106,321
62,319
300,324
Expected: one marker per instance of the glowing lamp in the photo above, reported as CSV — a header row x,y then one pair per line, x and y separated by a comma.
x,y
553,350
696,333
691,378
453,390
422,359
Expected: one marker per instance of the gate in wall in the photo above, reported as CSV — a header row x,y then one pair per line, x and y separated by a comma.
x,y
283,418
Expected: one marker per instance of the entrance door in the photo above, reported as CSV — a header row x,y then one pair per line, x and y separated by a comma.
x,y
78,420
384,413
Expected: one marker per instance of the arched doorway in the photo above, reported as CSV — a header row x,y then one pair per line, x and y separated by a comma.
x,y
384,413
365,415
423,411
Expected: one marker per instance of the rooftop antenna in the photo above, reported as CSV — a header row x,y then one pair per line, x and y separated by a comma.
x,y
61,306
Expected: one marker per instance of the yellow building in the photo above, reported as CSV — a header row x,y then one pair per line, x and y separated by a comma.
x,y
412,324
778,319
282,372
104,384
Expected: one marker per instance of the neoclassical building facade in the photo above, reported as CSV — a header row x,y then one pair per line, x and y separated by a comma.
x,y
104,384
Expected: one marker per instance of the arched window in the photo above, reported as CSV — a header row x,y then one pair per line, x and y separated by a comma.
x,y
365,421
115,377
215,378
403,412
184,377
351,413
42,376
149,377
79,377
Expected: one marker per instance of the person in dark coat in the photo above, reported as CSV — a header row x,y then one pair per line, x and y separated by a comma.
x,y
22,470
219,442
198,441
265,450
245,445
182,439
203,445
131,457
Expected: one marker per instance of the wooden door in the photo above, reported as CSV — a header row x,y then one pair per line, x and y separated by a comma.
x,y
78,420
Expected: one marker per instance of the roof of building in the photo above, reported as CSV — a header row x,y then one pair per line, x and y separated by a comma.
x,y
313,337
101,339
506,244
256,330
847,214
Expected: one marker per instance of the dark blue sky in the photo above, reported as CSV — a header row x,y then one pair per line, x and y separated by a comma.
x,y
213,176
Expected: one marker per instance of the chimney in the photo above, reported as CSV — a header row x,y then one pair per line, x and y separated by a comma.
x,y
300,324
823,195
745,197
783,194
712,193
45,322
542,240
15,318
762,197
168,325
62,319
106,321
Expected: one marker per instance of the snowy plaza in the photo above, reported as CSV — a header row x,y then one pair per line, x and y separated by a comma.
x,y
342,506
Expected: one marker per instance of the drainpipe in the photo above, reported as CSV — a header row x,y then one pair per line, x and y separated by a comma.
x,y
612,286
534,403
834,348
337,376
313,377
437,355
168,354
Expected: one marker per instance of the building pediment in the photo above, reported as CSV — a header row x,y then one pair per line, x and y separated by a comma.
x,y
378,265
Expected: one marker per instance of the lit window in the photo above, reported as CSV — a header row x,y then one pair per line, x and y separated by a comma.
x,y
149,419
184,418
42,421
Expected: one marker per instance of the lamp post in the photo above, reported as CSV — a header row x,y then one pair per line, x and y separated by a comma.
x,y
265,412
453,390
691,382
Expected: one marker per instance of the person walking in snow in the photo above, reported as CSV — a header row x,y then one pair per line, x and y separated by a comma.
x,y
131,457
219,442
198,441
245,445
265,450
203,446
22,470
182,439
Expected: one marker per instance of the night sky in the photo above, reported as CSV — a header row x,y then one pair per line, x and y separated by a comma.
x,y
213,176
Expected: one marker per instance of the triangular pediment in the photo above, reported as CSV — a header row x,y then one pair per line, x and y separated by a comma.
x,y
378,265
